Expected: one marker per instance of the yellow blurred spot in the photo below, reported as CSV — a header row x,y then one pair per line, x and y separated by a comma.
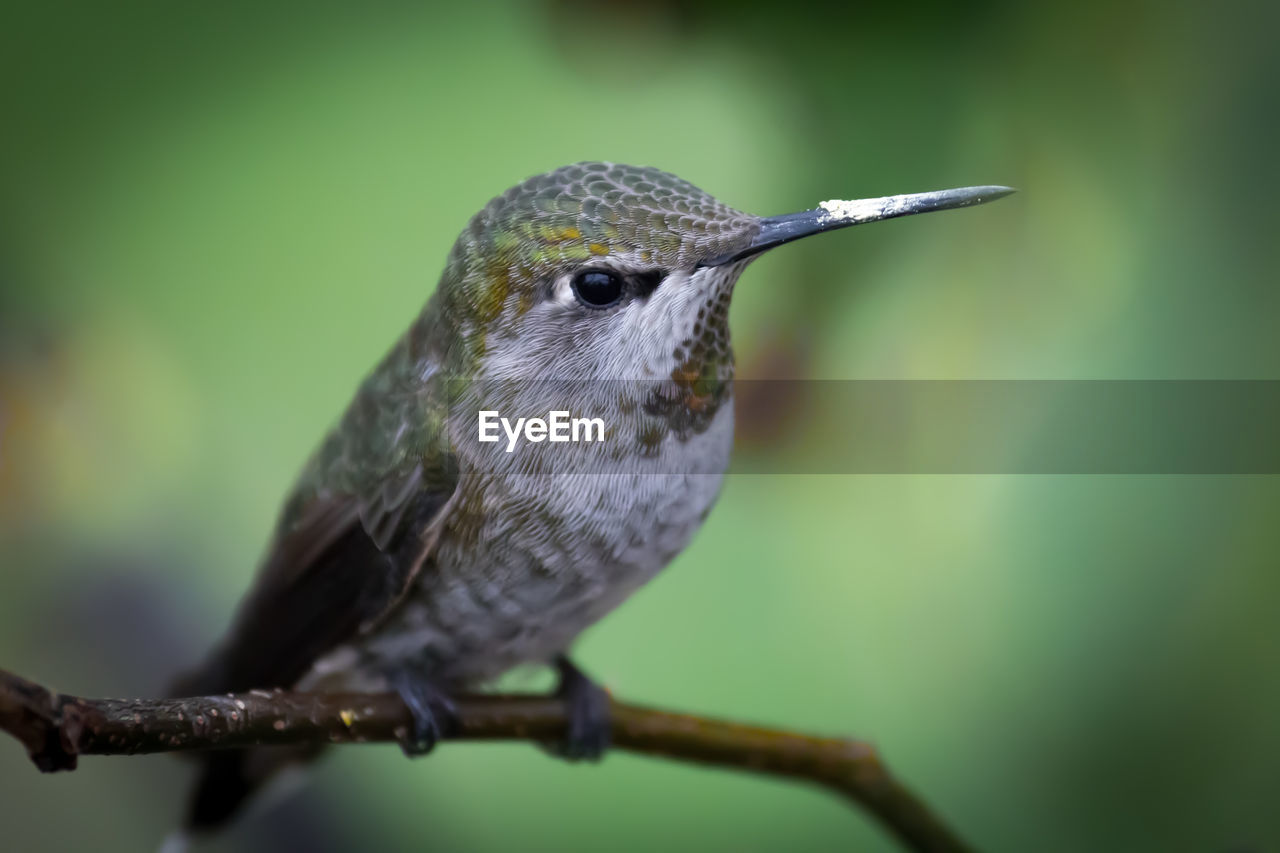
x,y
597,248
347,717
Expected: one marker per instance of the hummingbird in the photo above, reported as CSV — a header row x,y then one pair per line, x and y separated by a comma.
x,y
413,556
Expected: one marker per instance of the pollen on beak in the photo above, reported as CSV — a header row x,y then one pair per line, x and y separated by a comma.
x,y
833,214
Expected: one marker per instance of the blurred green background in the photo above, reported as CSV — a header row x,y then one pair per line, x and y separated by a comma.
x,y
214,219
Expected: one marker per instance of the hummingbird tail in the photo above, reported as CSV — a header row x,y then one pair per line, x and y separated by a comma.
x,y
222,788
230,780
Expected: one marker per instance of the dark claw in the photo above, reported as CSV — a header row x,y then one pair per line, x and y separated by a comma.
x,y
434,714
590,726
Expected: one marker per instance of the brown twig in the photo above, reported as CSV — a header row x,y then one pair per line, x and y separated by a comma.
x,y
56,729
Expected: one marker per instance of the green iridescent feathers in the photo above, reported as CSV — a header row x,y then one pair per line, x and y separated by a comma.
x,y
575,214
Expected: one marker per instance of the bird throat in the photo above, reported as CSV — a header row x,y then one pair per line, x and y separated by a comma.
x,y
701,382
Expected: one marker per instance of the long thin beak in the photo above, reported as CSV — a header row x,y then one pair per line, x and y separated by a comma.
x,y
830,215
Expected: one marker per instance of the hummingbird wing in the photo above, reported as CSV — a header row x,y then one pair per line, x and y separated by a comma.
x,y
358,527
360,523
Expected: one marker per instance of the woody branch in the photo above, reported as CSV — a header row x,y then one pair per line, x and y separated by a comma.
x,y
56,729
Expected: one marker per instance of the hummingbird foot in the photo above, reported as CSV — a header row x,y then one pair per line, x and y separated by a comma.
x,y
434,714
590,724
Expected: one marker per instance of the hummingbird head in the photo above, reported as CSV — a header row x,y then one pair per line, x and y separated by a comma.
x,y
600,270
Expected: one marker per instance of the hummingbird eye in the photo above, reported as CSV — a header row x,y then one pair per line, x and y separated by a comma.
x,y
597,288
